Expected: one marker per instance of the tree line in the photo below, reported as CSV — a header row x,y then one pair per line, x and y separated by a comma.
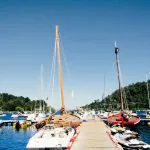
x,y
9,102
135,97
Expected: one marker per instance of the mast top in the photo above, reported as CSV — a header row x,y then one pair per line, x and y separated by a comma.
x,y
116,48
57,30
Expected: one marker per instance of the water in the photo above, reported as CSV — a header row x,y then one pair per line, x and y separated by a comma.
x,y
11,139
144,132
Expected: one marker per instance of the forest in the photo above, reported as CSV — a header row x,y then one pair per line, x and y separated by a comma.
x,y
9,102
135,97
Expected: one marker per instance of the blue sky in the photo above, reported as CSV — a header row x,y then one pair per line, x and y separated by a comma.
x,y
88,30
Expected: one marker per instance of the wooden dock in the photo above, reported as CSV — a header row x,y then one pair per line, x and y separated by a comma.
x,y
94,136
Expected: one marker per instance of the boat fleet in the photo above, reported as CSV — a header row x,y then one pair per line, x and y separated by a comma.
x,y
58,135
128,139
122,134
22,119
54,136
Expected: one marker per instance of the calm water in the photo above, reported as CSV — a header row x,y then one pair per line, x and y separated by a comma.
x,y
144,132
10,139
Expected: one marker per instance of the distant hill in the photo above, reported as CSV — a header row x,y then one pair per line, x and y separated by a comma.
x,y
10,102
135,96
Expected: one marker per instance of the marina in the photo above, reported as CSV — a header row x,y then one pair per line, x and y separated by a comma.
x,y
83,129
74,75
92,134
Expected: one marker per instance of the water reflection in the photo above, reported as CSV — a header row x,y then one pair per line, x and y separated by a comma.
x,y
13,139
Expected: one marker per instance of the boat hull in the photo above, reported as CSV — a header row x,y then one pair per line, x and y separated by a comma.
x,y
120,119
54,139
21,125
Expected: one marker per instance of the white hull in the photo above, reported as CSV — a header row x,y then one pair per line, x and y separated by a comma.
x,y
1,122
14,116
40,117
31,117
2,115
51,138
132,143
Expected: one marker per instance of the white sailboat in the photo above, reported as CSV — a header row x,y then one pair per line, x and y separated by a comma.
x,y
51,136
2,114
41,115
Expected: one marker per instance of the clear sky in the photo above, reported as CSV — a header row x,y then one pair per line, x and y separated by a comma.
x,y
88,30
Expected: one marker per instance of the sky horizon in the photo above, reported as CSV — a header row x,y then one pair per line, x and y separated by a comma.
x,y
88,30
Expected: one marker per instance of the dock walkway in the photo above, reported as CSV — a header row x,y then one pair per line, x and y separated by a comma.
x,y
93,136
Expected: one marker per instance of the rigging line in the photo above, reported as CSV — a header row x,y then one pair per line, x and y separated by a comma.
x,y
51,81
108,74
113,66
123,90
53,77
66,65
104,92
129,95
125,99
65,59
51,73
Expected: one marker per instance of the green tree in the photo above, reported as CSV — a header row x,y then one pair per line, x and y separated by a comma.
x,y
20,109
134,94
9,102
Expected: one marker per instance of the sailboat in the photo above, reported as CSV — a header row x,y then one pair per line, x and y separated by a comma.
x,y
122,117
64,119
2,114
57,131
41,114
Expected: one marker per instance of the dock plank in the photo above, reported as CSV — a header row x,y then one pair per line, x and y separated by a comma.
x,y
93,135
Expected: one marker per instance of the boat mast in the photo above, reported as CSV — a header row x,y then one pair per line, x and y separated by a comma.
x,y
148,91
42,100
60,71
118,71
103,96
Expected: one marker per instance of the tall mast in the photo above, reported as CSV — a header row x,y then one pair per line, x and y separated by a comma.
x,y
148,95
60,70
118,71
42,102
103,96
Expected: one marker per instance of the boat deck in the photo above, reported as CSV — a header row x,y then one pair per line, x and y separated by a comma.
x,y
93,136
